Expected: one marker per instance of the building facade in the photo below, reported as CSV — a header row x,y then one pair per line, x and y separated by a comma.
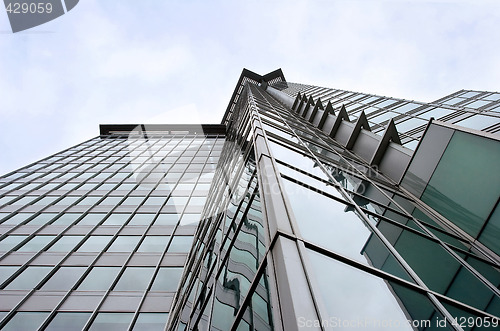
x,y
307,208
96,236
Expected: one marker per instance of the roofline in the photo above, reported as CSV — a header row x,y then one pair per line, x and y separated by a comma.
x,y
245,73
207,129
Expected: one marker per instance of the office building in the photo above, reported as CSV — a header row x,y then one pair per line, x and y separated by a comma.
x,y
307,208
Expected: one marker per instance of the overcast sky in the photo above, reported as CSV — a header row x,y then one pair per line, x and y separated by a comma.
x,y
154,61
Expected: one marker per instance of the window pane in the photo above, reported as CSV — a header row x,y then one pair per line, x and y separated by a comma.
x,y
63,279
6,272
180,244
134,279
474,160
141,219
42,218
333,225
36,244
65,244
124,244
91,219
154,201
94,244
25,321
167,279
10,242
29,278
167,219
111,322
349,294
437,268
17,219
116,219
99,279
491,232
151,322
153,244
68,322
478,122
66,219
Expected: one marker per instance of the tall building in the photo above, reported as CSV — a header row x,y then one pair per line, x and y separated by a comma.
x,y
307,208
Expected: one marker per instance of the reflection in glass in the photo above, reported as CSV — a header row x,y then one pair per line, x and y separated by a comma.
x,y
36,244
124,244
111,322
180,244
10,242
258,315
63,279
167,279
350,295
150,322
437,268
91,219
94,244
6,272
99,279
153,244
134,279
474,160
65,244
335,226
29,278
25,321
66,321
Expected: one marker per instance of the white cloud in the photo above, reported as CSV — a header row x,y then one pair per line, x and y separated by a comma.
x,y
145,63
115,62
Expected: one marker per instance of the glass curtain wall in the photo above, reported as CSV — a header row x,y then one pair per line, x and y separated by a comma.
x,y
95,237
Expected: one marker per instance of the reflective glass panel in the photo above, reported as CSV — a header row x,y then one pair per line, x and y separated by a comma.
x,y
180,244
29,278
91,219
333,225
354,298
63,279
116,219
42,218
66,219
25,321
10,242
66,321
465,185
65,244
111,321
167,279
153,244
36,244
437,268
124,244
94,244
99,279
134,279
491,233
150,322
141,219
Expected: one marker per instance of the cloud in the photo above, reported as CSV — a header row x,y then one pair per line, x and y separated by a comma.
x,y
144,63
115,62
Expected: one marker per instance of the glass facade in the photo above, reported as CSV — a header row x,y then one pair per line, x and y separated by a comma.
x,y
342,244
472,109
92,237
306,209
